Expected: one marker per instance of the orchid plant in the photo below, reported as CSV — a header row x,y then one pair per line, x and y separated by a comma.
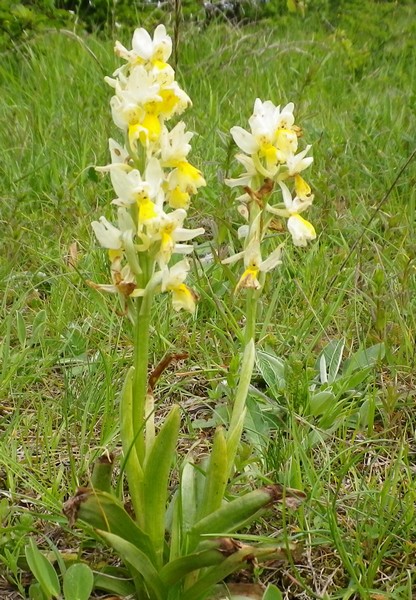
x,y
180,545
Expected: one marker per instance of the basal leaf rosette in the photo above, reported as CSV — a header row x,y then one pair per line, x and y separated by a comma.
x,y
152,178
273,165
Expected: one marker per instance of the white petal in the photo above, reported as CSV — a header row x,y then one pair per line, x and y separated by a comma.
x,y
162,42
183,235
107,235
239,181
244,140
125,220
142,43
183,249
301,230
287,196
154,175
272,260
233,259
175,275
125,184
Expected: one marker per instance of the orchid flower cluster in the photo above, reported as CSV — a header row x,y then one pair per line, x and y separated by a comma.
x,y
151,176
272,162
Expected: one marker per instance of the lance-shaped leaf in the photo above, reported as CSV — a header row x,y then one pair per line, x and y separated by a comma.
x,y
236,513
131,465
211,553
238,556
103,511
217,475
188,495
131,555
156,480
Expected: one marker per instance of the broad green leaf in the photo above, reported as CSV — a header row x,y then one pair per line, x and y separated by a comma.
x,y
156,480
173,525
321,402
364,358
234,440
43,571
272,593
367,413
354,380
131,555
272,370
257,424
78,582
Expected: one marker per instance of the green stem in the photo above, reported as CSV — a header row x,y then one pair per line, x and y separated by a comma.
x,y
141,363
149,415
246,372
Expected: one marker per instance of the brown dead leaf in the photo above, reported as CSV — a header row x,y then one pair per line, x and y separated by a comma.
x,y
72,256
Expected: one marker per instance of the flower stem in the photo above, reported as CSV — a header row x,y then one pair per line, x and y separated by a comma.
x,y
141,362
246,372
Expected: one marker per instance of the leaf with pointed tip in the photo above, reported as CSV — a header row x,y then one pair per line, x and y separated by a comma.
x,y
156,480
236,513
103,511
175,570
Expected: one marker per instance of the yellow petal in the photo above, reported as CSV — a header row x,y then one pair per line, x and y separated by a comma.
x,y
303,190
178,199
189,170
147,210
269,152
249,279
147,130
286,140
183,297
115,254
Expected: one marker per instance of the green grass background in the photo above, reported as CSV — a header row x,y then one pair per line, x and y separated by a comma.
x,y
65,349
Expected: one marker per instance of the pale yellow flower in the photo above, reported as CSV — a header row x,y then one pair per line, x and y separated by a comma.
x,y
186,177
144,48
183,297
